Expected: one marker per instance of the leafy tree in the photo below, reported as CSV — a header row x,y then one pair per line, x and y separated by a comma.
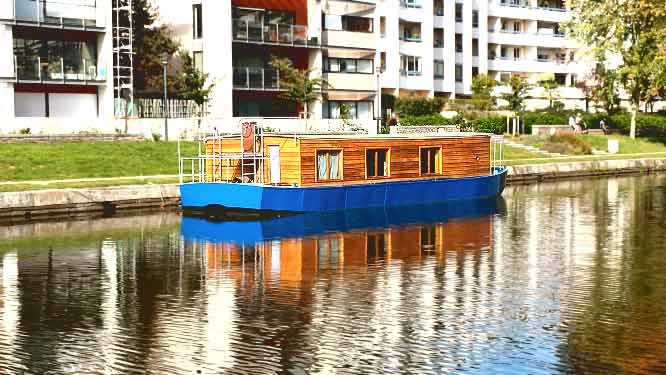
x,y
298,84
550,88
151,42
482,89
607,91
192,82
517,94
635,32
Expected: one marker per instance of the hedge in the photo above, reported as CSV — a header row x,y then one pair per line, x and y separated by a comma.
x,y
493,124
436,119
653,126
419,106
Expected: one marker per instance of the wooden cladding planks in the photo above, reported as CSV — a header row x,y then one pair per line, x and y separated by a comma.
x,y
461,157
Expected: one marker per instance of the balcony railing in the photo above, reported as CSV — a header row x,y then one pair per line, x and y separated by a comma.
x,y
410,73
65,14
415,4
246,78
256,32
412,39
33,69
524,4
439,12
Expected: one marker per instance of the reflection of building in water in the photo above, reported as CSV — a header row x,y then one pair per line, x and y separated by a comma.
x,y
300,260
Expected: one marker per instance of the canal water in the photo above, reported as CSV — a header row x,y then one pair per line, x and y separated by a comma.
x,y
558,278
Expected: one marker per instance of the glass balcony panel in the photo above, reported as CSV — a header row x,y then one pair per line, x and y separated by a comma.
x,y
255,32
27,68
256,78
271,79
285,34
300,34
240,78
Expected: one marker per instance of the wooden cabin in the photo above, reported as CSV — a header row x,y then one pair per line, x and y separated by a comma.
x,y
310,160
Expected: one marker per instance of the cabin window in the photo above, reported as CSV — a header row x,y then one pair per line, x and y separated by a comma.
x,y
329,164
428,238
377,163
431,162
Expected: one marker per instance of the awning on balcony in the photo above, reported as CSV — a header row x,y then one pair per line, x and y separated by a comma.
x,y
350,95
349,53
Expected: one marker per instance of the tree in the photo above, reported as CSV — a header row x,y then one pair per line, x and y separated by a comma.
x,y
607,90
550,88
518,92
634,31
192,82
482,89
298,84
151,42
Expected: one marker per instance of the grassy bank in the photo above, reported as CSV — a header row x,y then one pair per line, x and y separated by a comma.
x,y
73,160
627,145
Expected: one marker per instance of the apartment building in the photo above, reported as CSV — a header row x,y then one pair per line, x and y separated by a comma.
x,y
362,47
55,59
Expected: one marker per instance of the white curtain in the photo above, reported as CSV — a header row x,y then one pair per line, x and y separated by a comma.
x,y
321,166
334,165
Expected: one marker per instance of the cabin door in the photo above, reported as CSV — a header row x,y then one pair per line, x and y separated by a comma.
x,y
274,157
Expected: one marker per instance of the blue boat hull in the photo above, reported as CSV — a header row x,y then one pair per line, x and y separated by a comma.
x,y
262,199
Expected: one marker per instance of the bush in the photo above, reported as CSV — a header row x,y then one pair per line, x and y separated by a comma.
x,y
436,119
651,126
567,144
418,106
157,137
494,124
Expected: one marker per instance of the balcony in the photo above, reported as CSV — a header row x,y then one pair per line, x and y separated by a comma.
x,y
247,78
74,14
510,64
541,39
59,71
411,4
281,34
522,10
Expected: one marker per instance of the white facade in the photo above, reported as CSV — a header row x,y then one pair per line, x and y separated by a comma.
x,y
56,62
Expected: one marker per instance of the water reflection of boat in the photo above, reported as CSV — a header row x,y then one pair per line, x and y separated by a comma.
x,y
313,224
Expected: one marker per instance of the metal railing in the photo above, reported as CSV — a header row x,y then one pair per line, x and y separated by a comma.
x,y
414,4
81,14
34,69
256,78
524,4
276,33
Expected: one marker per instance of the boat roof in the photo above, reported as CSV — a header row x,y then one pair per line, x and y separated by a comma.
x,y
346,136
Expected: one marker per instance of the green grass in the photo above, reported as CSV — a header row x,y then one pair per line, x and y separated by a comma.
x,y
627,145
73,160
87,184
570,159
512,153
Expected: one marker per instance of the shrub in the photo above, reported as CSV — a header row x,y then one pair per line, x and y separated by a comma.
x,y
494,124
419,106
157,137
652,126
436,119
24,131
567,144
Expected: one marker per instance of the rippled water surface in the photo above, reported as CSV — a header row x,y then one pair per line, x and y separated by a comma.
x,y
553,279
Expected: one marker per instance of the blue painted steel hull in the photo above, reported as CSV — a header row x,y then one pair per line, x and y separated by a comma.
x,y
262,198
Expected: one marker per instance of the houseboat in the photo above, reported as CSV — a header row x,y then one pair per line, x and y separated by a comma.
x,y
268,174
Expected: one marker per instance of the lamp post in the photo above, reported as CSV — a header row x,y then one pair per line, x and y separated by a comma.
x,y
165,62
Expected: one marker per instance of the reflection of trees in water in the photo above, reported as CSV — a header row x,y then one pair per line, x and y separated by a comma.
x,y
614,311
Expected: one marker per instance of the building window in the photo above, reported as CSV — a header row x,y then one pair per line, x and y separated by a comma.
x,y
459,12
475,47
439,69
197,21
348,23
459,43
329,164
410,65
377,163
347,109
197,56
475,18
337,65
430,160
459,73
412,4
279,17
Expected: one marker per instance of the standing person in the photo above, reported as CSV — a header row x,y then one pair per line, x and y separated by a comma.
x,y
579,122
572,123
603,126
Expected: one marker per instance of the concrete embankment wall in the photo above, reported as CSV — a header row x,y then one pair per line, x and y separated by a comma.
x,y
557,171
16,207
70,203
